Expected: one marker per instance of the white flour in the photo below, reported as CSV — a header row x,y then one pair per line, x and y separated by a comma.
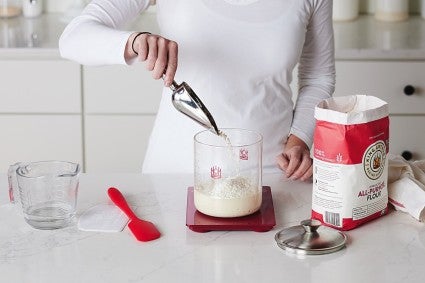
x,y
229,146
232,153
229,197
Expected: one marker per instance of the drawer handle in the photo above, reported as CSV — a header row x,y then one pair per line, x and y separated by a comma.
x,y
409,90
407,155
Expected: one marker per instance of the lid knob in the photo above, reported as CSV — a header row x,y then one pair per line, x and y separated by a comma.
x,y
311,225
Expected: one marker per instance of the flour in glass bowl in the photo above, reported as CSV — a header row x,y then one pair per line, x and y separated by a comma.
x,y
228,197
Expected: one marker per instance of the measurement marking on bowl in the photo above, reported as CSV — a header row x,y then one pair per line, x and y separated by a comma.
x,y
243,154
215,172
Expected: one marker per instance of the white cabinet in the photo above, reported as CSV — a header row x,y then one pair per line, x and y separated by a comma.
x,y
39,137
407,136
387,80
120,107
40,86
40,111
402,85
116,143
121,89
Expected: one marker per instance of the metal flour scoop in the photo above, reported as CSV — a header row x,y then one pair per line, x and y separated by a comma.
x,y
187,102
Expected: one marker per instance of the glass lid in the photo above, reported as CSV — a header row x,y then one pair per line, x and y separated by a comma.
x,y
310,238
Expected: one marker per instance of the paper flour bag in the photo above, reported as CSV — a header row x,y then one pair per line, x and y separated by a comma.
x,y
350,165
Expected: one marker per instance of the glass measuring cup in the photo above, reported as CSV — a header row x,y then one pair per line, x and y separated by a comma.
x,y
47,191
228,172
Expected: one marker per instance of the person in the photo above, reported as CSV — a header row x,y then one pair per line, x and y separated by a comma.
x,y
237,55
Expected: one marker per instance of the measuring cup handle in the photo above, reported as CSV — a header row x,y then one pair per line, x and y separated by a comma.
x,y
13,182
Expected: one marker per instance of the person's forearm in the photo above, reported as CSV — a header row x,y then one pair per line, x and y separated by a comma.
x,y
94,38
316,71
87,49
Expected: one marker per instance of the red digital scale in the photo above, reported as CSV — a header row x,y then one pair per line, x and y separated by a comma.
x,y
261,221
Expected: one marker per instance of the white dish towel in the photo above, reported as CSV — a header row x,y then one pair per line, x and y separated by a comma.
x,y
406,186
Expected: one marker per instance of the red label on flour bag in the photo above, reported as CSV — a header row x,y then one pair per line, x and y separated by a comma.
x,y
350,161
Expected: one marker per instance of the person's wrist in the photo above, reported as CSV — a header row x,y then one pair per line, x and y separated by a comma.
x,y
133,47
293,140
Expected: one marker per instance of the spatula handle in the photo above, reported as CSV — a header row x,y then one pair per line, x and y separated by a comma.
x,y
117,197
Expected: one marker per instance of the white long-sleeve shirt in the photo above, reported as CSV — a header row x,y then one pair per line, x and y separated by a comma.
x,y
237,55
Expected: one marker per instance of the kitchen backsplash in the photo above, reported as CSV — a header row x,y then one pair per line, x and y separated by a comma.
x,y
366,5
59,5
54,6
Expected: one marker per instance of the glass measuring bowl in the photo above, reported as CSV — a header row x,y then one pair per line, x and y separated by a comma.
x,y
228,172
47,192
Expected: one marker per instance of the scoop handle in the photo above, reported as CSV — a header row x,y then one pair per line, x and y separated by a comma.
x,y
173,85
117,197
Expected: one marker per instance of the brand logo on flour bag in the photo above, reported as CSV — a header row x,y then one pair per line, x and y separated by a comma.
x,y
374,160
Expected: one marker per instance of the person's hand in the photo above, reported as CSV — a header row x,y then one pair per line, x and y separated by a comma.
x,y
295,160
158,53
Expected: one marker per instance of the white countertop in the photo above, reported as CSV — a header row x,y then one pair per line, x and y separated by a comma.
x,y
369,39
38,37
389,249
362,39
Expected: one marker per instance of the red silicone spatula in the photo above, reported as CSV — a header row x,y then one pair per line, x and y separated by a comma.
x,y
143,230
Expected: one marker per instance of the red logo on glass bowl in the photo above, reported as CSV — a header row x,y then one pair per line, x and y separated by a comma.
x,y
215,172
243,154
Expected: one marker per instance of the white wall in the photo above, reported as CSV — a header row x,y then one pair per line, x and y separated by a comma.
x,y
62,5
59,6
367,6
